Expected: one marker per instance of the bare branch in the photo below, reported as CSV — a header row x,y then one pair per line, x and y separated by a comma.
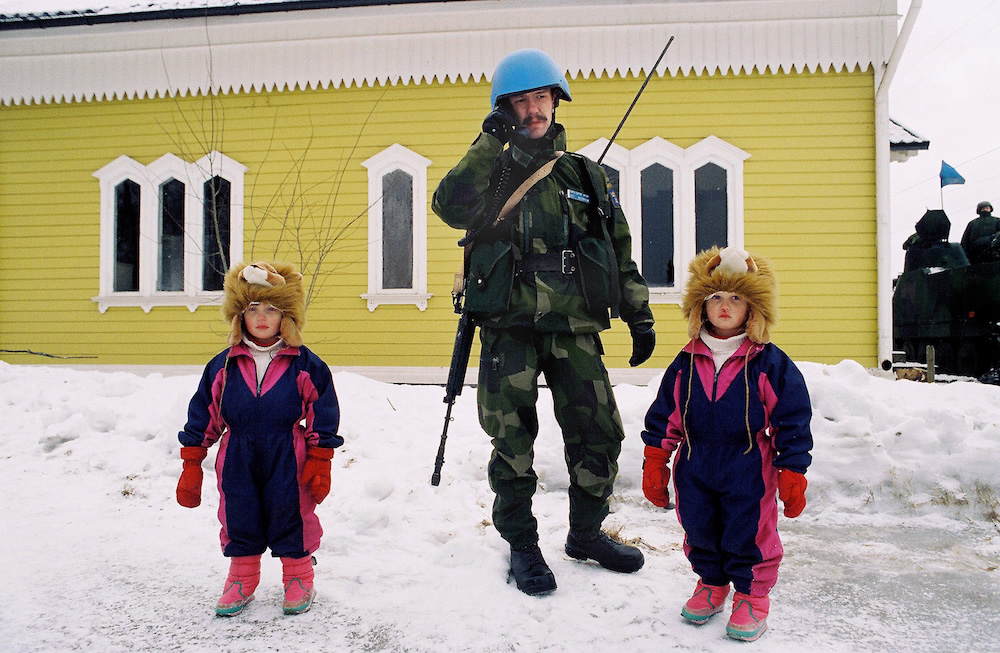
x,y
39,353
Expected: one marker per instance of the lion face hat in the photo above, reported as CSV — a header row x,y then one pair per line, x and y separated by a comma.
x,y
277,284
734,271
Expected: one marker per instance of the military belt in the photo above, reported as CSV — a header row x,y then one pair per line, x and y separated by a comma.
x,y
560,261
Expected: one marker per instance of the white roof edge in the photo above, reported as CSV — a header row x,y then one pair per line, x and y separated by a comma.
x,y
404,44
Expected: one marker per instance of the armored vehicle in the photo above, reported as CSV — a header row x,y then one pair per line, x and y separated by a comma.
x,y
941,299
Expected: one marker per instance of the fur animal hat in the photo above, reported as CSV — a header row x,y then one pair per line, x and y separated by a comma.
x,y
735,271
277,284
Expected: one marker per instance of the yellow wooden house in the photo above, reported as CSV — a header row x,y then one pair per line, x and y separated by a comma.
x,y
143,151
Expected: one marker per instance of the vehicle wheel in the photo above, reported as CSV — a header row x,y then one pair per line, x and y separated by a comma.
x,y
967,360
910,351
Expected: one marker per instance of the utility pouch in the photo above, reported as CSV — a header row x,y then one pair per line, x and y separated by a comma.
x,y
595,266
491,278
596,259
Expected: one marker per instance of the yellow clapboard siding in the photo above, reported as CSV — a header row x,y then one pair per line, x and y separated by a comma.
x,y
808,185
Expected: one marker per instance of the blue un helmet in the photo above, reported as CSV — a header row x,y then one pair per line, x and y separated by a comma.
x,y
526,70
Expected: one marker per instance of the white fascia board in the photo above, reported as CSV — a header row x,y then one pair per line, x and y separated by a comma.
x,y
445,41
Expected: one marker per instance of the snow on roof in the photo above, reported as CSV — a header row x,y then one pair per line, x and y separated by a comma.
x,y
54,8
347,42
906,137
904,142
39,12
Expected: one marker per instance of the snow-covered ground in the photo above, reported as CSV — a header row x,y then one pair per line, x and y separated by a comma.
x,y
897,550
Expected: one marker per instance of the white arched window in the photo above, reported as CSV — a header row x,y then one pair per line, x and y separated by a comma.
x,y
397,228
678,201
169,230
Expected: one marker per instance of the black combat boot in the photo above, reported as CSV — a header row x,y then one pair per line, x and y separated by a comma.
x,y
607,552
529,571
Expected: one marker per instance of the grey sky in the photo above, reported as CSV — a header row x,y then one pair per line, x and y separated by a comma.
x,y
947,89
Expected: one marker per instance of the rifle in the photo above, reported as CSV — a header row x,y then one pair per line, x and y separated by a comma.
x,y
466,325
459,363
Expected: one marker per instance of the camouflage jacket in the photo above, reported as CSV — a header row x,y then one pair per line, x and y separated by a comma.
x,y
554,216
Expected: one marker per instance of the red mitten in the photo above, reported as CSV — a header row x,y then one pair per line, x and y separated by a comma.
x,y
189,485
656,476
792,491
316,472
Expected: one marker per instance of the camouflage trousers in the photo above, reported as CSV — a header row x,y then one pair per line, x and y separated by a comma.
x,y
509,366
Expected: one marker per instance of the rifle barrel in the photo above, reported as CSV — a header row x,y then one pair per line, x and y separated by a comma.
x,y
456,379
439,461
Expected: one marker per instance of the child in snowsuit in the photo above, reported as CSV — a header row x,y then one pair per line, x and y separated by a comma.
x,y
736,410
270,403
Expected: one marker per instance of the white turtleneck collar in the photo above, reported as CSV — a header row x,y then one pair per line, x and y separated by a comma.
x,y
722,348
262,356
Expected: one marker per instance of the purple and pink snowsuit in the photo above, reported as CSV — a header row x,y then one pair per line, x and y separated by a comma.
x,y
264,433
732,431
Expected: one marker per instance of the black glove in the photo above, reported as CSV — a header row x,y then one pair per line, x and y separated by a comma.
x,y
643,342
500,125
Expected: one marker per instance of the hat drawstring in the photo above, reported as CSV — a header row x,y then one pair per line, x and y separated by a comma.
x,y
746,388
687,403
222,392
746,413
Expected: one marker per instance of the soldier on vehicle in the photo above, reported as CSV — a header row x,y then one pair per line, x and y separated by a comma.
x,y
541,281
928,247
980,234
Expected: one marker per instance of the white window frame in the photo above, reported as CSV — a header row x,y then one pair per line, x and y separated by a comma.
x,y
150,178
730,158
397,157
684,162
213,164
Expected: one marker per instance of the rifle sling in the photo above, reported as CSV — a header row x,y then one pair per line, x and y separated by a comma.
x,y
520,192
525,186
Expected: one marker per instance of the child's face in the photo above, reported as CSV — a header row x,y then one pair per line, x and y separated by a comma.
x,y
727,314
263,322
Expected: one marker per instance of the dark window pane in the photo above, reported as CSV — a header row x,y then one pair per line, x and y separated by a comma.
x,y
126,273
171,268
397,230
657,225
216,240
710,207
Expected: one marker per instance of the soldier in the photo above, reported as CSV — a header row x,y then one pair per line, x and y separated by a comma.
x,y
979,236
541,281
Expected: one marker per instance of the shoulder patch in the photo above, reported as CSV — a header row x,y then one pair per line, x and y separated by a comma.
x,y
614,198
578,196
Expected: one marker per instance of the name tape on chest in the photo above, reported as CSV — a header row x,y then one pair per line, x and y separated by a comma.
x,y
578,196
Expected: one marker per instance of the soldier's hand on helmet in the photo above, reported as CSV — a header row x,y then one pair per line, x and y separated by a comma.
x,y
500,124
643,342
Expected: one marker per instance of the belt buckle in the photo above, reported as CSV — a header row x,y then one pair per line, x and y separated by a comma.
x,y
568,260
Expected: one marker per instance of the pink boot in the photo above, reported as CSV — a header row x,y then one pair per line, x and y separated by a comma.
x,y
749,620
244,574
707,601
297,576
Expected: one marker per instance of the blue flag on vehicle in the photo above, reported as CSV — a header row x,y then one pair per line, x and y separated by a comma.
x,y
950,176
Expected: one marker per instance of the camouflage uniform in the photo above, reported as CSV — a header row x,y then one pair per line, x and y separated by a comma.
x,y
536,320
